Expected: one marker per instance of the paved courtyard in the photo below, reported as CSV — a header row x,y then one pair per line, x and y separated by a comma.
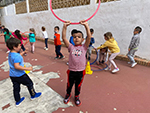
x,y
102,92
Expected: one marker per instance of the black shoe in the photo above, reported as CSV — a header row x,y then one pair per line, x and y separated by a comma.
x,y
61,57
67,98
77,101
103,61
56,57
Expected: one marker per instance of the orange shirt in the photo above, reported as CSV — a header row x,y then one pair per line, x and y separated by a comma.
x,y
57,39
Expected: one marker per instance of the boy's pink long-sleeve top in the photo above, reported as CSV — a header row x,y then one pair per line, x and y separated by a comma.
x,y
22,38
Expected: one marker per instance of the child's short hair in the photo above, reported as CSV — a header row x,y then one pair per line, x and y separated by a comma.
x,y
139,29
57,27
91,30
108,35
73,31
43,28
80,32
12,42
3,26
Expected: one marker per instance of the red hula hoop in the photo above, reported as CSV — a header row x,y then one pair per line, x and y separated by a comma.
x,y
74,22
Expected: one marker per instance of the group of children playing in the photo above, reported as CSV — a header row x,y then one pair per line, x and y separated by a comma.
x,y
78,53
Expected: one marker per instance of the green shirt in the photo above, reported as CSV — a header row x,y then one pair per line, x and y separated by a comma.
x,y
7,36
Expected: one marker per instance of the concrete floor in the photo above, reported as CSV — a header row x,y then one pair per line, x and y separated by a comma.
x,y
102,92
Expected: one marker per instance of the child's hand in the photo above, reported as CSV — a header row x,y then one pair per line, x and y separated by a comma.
x,y
83,22
30,68
67,23
129,49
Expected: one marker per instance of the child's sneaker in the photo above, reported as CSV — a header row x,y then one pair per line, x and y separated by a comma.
x,y
36,95
115,70
62,57
77,101
133,64
8,51
67,98
107,68
19,102
56,57
129,62
46,49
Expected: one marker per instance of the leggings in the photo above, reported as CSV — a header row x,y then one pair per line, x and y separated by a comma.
x,y
111,62
32,46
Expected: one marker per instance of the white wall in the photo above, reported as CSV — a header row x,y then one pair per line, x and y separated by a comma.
x,y
119,17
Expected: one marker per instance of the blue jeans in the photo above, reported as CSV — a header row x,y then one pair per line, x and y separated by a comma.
x,y
57,50
46,39
131,55
25,80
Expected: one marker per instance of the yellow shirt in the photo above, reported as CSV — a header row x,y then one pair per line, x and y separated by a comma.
x,y
112,46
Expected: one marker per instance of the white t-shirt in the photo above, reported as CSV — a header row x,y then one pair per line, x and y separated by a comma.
x,y
45,35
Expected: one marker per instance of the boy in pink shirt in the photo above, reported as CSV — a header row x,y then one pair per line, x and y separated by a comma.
x,y
77,60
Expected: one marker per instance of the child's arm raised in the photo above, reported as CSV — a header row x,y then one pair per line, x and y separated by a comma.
x,y
88,39
17,66
64,33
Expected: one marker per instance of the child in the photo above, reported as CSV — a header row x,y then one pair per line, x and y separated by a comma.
x,y
32,40
17,73
57,43
71,38
17,35
133,47
89,51
102,56
45,36
114,49
2,28
6,35
77,60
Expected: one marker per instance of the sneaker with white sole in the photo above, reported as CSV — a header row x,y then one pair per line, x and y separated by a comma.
x,y
61,57
8,51
107,68
36,95
67,98
77,101
20,101
129,62
115,70
133,64
46,49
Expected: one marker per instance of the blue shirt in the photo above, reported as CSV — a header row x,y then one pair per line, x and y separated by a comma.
x,y
31,37
71,40
15,58
92,41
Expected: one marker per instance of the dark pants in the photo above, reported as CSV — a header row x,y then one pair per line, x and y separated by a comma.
x,y
57,50
25,80
46,39
22,47
75,78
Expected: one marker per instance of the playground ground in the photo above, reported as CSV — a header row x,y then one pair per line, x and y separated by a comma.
x,y
127,91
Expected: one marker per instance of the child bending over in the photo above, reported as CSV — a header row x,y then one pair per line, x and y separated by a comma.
x,y
114,49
